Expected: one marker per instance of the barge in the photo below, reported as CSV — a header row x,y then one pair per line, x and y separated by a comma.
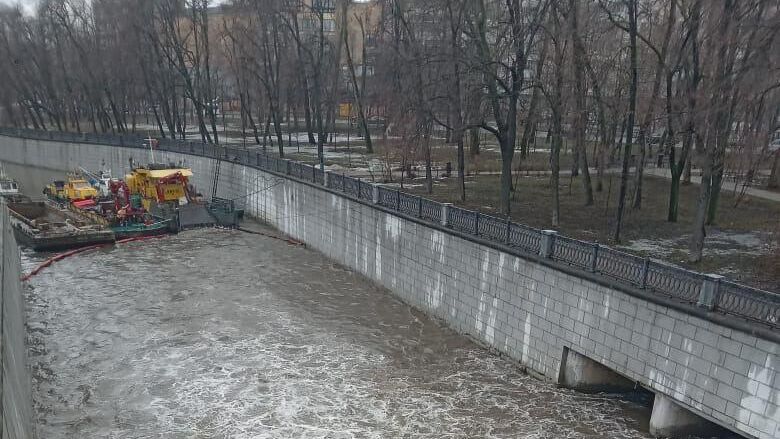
x,y
46,227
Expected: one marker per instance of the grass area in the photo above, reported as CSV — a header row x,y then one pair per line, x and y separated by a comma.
x,y
388,152
754,221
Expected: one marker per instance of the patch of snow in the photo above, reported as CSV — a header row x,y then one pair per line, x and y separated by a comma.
x,y
717,243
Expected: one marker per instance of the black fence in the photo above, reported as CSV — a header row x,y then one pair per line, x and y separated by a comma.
x,y
710,292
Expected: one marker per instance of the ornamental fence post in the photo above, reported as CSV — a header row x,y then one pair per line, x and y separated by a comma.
x,y
710,291
445,208
548,243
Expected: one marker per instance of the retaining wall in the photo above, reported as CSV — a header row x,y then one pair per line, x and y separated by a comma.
x,y
524,307
17,419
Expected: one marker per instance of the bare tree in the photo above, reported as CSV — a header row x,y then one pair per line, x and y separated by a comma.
x,y
555,98
503,62
580,109
633,62
687,66
358,86
745,30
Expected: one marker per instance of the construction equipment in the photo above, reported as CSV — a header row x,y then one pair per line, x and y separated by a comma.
x,y
159,184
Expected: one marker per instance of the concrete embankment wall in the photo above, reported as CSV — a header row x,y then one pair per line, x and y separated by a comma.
x,y
16,379
525,308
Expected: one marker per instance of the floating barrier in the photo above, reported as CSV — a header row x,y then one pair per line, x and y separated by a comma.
x,y
61,256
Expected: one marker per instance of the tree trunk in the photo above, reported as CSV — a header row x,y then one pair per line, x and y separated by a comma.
x,y
774,177
456,103
279,133
580,110
529,129
604,133
474,142
686,178
358,89
712,168
159,122
428,166
505,193
696,246
555,131
462,165
630,122
648,117
621,141
674,199
307,110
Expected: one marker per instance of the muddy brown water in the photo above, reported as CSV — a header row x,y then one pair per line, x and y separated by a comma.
x,y
222,334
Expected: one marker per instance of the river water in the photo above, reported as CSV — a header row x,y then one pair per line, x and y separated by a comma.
x,y
222,334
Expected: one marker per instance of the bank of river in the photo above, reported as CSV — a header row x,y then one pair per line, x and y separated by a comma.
x,y
220,334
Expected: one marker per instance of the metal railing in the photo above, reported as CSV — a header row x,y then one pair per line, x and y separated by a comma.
x,y
710,292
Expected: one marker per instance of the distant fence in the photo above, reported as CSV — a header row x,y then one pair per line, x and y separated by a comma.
x,y
711,292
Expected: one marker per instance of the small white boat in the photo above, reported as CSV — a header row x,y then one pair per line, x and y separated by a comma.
x,y
9,188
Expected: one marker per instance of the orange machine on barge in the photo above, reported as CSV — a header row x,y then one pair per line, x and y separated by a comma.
x,y
159,184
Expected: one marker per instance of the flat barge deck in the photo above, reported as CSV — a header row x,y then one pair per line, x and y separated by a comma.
x,y
45,227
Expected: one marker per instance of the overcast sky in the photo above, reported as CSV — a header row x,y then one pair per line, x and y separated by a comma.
x,y
28,4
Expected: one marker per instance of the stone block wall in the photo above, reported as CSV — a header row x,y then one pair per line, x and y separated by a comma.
x,y
524,308
15,388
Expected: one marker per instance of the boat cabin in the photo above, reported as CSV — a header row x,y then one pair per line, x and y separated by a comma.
x,y
73,189
8,187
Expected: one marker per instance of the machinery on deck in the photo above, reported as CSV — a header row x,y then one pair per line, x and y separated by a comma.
x,y
160,184
75,188
128,217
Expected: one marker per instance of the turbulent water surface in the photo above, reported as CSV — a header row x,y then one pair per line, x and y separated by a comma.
x,y
220,334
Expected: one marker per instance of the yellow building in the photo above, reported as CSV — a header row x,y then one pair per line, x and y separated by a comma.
x,y
363,20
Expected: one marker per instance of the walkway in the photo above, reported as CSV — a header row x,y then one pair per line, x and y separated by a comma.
x,y
655,172
752,191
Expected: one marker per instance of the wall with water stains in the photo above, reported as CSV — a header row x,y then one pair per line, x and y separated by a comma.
x,y
17,419
521,307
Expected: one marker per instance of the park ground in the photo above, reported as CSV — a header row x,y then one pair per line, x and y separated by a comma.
x,y
742,245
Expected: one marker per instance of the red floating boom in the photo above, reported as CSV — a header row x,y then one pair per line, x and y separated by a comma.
x,y
67,254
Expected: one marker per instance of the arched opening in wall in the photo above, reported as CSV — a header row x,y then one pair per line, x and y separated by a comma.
x,y
581,373
669,419
655,412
